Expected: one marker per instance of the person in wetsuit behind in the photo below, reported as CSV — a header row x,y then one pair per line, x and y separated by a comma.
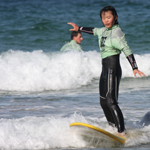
x,y
111,42
75,42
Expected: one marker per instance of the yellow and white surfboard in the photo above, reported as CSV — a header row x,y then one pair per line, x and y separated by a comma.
x,y
119,138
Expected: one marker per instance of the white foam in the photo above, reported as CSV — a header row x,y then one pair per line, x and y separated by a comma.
x,y
54,132
38,133
39,71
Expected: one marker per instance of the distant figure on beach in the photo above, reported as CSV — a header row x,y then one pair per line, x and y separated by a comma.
x,y
74,44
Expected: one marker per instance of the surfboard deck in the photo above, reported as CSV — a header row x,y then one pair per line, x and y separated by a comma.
x,y
120,139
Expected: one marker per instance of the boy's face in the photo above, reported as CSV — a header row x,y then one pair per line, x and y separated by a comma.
x,y
78,38
108,19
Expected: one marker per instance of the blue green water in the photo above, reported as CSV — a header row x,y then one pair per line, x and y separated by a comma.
x,y
43,90
33,25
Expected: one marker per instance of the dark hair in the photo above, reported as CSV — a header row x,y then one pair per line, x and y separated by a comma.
x,y
74,33
112,9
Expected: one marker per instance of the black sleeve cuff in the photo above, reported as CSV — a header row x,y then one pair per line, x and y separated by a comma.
x,y
132,61
86,29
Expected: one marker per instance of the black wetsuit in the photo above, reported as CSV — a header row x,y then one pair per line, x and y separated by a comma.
x,y
109,86
108,89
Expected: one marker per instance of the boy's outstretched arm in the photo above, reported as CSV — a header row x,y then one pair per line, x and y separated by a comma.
x,y
75,27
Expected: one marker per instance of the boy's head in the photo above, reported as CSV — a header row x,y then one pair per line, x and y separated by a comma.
x,y
113,12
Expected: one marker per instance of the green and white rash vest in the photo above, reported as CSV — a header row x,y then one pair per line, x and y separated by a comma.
x,y
111,41
72,45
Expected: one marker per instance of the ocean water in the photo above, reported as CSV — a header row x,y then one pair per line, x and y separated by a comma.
x,y
43,90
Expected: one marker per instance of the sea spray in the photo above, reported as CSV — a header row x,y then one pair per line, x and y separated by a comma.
x,y
54,132
39,71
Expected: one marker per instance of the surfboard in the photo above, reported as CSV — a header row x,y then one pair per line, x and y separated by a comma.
x,y
112,137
